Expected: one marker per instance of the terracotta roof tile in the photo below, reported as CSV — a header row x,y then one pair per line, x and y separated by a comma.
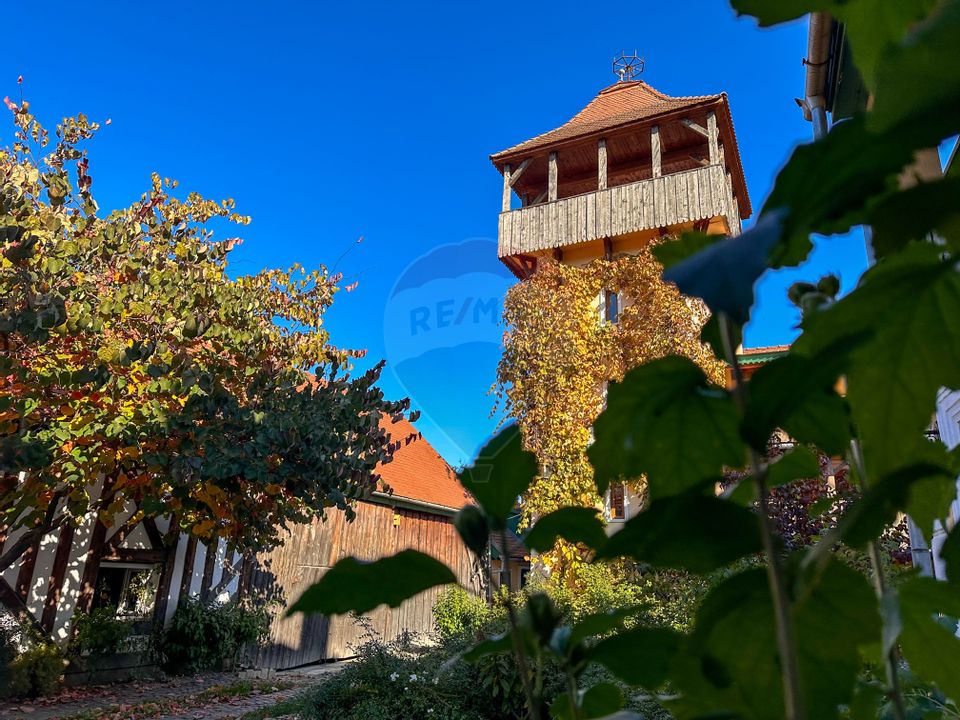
x,y
618,104
417,472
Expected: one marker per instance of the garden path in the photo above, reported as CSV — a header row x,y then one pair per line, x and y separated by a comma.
x,y
176,698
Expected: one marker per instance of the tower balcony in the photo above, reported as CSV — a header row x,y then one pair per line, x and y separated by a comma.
x,y
633,212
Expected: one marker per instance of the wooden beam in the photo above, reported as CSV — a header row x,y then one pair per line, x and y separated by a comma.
x,y
170,543
608,248
655,151
189,556
507,185
91,567
552,177
696,151
712,139
135,555
28,562
515,174
539,198
153,532
601,164
688,123
209,563
58,574
558,254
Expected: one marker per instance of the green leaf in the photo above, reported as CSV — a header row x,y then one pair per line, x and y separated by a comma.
x,y
910,215
773,13
909,303
599,701
874,26
640,656
355,586
670,252
800,463
695,532
500,474
666,421
601,623
797,393
825,186
723,273
730,662
472,526
923,489
573,524
931,648
495,645
918,85
541,616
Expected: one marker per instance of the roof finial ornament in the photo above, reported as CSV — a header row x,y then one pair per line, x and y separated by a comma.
x,y
627,67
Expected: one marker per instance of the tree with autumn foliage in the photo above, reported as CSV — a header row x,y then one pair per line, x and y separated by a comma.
x,y
137,373
558,357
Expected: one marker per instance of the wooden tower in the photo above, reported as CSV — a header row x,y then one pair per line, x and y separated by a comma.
x,y
634,164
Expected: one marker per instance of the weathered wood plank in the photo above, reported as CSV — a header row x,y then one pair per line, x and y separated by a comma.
x,y
601,164
552,177
655,151
713,139
507,188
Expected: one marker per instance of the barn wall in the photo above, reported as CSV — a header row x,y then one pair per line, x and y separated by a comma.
x,y
311,550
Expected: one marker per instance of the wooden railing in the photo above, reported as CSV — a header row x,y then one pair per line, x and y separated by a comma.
x,y
665,201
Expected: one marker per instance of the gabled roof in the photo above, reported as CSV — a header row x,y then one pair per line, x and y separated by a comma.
x,y
629,103
761,355
417,472
619,104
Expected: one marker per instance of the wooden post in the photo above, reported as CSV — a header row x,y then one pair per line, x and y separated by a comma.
x,y
189,556
602,164
91,567
712,139
552,178
209,563
57,575
506,188
655,155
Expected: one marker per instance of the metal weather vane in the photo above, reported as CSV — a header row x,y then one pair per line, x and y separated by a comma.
x,y
627,67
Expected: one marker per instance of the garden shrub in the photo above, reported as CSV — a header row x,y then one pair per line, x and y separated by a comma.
x,y
206,636
458,613
399,680
36,671
99,633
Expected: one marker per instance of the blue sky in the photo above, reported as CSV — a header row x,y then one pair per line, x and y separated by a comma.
x,y
328,122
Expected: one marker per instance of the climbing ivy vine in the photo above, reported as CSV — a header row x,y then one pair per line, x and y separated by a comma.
x,y
800,634
558,358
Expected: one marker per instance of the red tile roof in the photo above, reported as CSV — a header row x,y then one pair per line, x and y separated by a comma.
x,y
417,472
619,104
623,104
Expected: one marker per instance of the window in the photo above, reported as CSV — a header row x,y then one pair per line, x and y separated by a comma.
x,y
611,306
130,588
618,502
